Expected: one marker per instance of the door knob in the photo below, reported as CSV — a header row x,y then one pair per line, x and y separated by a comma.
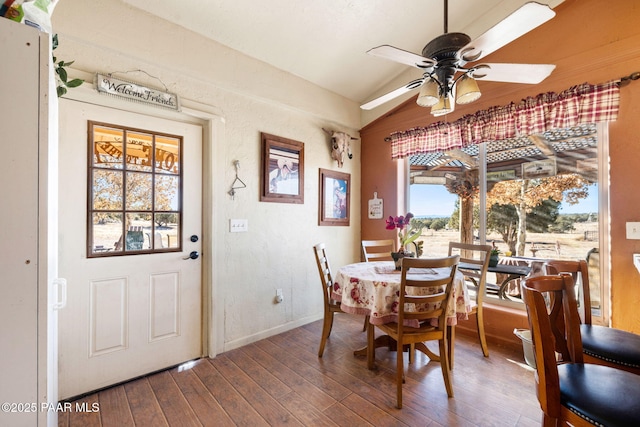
x,y
192,255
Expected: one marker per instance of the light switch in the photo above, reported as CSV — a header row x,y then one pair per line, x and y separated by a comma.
x,y
633,230
238,225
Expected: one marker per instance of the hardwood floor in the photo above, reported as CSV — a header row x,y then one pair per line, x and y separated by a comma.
x,y
281,381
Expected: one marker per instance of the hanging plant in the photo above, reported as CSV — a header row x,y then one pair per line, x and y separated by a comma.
x,y
465,185
61,72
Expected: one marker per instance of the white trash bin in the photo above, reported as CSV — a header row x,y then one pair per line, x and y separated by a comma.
x,y
527,346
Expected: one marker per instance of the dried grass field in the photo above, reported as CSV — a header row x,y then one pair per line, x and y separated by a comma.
x,y
572,245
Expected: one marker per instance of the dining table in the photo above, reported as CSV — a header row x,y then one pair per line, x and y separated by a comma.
x,y
511,270
373,288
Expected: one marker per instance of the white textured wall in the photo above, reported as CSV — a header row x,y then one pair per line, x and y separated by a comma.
x,y
107,36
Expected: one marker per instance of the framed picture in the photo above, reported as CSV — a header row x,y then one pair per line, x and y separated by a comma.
x,y
335,196
282,174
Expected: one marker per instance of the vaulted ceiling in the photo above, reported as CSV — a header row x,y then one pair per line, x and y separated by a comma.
x,y
325,41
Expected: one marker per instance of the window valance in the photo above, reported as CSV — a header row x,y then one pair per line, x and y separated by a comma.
x,y
584,103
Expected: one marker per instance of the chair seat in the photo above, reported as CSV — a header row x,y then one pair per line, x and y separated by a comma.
x,y
604,395
610,344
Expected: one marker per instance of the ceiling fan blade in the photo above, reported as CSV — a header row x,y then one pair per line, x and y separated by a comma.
x,y
513,73
391,95
520,22
401,56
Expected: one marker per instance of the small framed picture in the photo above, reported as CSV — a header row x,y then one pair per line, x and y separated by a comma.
x,y
335,198
282,175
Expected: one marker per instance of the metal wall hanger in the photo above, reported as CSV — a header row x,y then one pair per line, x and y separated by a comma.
x,y
237,183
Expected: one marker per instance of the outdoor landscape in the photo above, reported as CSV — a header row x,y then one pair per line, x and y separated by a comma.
x,y
573,244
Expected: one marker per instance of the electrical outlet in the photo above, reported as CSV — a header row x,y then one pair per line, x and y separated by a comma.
x,y
238,225
633,230
636,261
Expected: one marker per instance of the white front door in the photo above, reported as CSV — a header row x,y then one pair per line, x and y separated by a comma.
x,y
137,312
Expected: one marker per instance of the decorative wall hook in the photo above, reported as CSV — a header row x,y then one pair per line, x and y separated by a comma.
x,y
237,183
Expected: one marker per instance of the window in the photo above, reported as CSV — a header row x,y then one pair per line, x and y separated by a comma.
x,y
135,191
560,217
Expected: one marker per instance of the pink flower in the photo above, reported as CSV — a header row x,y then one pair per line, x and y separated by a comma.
x,y
406,231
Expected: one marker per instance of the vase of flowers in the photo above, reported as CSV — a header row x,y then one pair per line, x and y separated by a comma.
x,y
408,232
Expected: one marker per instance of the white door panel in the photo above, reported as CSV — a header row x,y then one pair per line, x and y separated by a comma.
x,y
133,314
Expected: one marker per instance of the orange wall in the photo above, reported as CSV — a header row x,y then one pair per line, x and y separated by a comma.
x,y
589,41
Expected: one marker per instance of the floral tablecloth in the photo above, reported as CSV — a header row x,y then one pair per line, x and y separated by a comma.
x,y
373,288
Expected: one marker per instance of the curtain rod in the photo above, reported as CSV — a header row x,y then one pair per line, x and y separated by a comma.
x,y
627,79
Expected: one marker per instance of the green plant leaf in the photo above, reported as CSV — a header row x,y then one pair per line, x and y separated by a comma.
x,y
75,83
62,73
61,91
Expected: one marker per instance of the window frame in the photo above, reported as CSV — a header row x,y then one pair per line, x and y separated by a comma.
x,y
124,211
602,134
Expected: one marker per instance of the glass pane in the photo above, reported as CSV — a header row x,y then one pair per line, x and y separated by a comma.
x,y
138,235
167,155
139,151
167,193
107,189
135,191
542,194
106,232
167,234
139,191
107,147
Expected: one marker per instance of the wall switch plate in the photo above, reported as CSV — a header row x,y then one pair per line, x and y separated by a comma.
x,y
633,230
238,225
636,261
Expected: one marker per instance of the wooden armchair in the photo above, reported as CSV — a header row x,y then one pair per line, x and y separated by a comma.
x,y
570,391
600,344
478,255
411,295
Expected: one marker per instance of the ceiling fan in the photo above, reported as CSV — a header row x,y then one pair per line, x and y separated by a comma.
x,y
445,62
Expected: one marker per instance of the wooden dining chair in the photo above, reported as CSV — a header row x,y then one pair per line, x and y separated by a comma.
x,y
477,255
570,391
600,344
378,250
414,293
330,306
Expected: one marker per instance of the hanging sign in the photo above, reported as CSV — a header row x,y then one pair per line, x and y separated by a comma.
x,y
503,175
375,207
135,92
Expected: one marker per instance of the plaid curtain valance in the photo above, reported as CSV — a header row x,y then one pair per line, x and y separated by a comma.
x,y
584,103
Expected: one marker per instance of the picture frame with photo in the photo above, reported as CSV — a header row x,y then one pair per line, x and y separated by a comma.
x,y
334,203
282,174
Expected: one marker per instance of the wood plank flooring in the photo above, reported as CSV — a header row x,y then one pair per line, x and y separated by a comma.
x,y
281,381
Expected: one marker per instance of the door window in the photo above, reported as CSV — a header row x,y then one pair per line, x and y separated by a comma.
x,y
135,191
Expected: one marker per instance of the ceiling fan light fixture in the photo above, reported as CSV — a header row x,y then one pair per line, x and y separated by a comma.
x,y
467,90
444,106
428,96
